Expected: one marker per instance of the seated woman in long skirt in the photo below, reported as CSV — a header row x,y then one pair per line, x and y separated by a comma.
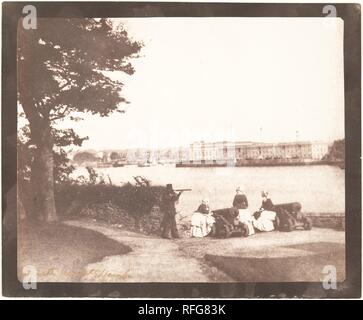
x,y
265,217
202,220
244,215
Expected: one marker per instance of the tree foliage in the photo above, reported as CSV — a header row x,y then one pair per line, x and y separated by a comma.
x,y
61,73
62,166
61,66
115,156
84,156
337,151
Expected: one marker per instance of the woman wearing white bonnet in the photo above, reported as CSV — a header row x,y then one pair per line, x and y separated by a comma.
x,y
201,220
267,214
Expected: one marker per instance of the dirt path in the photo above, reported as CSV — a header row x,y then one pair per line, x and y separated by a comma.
x,y
272,256
151,260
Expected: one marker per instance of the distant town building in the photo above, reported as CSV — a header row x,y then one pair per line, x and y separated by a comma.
x,y
223,152
240,151
319,150
212,152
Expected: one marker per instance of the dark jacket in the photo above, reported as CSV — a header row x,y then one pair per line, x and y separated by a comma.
x,y
267,205
240,201
168,201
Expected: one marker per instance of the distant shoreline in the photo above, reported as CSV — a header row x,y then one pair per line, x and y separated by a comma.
x,y
263,163
247,163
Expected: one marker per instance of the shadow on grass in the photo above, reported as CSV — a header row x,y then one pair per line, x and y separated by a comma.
x,y
304,268
60,252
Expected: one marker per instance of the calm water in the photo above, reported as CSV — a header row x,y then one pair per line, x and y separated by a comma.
x,y
318,188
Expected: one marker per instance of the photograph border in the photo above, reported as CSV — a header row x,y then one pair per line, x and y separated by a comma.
x,y
349,12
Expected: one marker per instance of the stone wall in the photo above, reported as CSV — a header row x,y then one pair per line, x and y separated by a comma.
x,y
328,220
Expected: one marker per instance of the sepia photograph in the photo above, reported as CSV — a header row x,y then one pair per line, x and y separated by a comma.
x,y
181,149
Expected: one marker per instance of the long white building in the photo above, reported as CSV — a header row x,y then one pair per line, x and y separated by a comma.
x,y
227,151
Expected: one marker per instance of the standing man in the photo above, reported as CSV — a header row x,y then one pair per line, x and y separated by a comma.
x,y
169,198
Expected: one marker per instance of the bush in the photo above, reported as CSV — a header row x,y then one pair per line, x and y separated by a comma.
x,y
127,205
136,200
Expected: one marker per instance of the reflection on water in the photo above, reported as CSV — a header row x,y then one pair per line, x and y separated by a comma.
x,y
318,188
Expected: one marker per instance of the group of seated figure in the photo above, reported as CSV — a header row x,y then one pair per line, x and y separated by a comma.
x,y
202,220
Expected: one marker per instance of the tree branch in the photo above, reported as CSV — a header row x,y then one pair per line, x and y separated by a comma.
x,y
60,115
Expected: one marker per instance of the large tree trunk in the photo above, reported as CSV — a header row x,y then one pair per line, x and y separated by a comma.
x,y
42,176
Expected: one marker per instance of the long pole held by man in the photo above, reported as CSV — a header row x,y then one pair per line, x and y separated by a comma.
x,y
168,224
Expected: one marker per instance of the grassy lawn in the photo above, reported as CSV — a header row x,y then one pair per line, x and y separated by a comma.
x,y
60,252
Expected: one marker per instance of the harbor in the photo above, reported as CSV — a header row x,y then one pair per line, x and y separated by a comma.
x,y
261,163
225,154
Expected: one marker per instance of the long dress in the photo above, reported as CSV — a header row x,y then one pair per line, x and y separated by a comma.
x,y
265,221
267,217
244,215
201,224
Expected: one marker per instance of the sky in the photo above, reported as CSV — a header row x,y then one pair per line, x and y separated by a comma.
x,y
215,79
